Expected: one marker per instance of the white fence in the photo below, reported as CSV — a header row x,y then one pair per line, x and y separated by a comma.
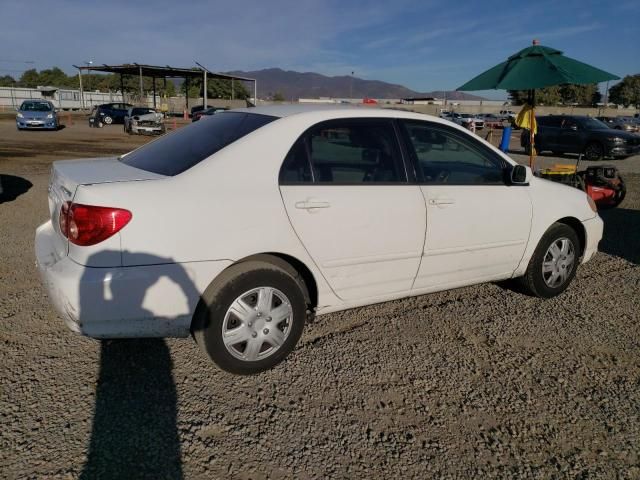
x,y
65,99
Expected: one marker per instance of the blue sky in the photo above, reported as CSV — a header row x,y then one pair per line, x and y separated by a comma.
x,y
425,45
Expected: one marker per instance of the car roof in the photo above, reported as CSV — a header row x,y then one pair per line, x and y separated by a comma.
x,y
316,113
282,111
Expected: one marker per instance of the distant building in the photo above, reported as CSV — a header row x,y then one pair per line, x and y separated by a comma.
x,y
422,101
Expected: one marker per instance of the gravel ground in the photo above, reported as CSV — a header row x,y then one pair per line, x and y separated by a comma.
x,y
472,383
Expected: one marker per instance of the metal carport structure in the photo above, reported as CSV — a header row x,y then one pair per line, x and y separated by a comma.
x,y
156,71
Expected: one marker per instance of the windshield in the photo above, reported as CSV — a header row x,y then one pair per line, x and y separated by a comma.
x,y
141,111
593,124
35,107
188,146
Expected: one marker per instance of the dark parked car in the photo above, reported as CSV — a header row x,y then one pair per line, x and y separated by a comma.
x,y
209,111
198,108
579,134
109,113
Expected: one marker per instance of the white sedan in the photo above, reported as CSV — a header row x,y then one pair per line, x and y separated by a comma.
x,y
239,229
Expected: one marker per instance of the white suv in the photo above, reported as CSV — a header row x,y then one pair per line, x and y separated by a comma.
x,y
239,229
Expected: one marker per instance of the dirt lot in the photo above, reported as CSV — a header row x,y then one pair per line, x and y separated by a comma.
x,y
472,383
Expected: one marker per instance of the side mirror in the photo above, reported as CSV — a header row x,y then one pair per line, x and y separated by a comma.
x,y
521,175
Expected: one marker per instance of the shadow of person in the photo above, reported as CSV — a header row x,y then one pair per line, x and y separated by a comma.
x,y
11,187
134,432
621,235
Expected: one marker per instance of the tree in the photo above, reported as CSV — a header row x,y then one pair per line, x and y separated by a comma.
x,y
544,96
565,94
7,81
580,94
216,88
627,91
54,77
29,78
278,97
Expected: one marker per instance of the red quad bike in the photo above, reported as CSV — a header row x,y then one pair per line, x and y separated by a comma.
x,y
602,183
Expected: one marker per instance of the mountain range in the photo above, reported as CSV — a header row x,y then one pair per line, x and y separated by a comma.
x,y
294,85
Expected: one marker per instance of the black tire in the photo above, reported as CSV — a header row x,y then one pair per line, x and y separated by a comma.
x,y
593,151
533,282
208,319
107,120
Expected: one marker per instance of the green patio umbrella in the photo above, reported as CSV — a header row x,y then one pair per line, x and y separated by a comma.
x,y
536,67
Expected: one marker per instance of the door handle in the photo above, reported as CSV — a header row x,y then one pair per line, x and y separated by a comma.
x,y
312,204
441,201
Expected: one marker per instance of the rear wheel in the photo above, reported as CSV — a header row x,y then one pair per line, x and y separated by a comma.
x,y
251,317
554,262
593,151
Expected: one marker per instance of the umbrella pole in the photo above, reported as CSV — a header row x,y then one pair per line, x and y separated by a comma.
x,y
532,95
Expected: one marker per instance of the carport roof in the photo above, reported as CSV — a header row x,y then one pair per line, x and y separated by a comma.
x,y
158,71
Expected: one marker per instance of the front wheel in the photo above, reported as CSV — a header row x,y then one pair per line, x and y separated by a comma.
x,y
251,317
107,120
593,151
554,262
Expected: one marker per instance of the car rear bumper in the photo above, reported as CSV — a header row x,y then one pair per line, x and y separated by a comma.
x,y
593,229
122,302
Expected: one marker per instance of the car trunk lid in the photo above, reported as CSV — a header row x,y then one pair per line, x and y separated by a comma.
x,y
68,175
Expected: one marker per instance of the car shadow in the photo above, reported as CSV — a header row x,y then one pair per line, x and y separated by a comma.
x,y
11,187
134,432
621,235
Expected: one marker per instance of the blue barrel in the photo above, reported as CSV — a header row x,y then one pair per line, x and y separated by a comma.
x,y
506,138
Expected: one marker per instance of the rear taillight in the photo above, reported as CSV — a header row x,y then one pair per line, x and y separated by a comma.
x,y
86,225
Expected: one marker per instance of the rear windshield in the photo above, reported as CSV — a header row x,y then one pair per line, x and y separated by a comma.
x,y
188,146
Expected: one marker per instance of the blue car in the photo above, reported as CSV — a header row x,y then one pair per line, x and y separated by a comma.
x,y
37,114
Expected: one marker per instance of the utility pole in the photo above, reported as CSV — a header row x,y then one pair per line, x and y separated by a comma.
x,y
204,96
351,87
141,88
81,90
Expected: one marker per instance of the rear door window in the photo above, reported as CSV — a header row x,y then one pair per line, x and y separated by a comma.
x,y
346,152
179,151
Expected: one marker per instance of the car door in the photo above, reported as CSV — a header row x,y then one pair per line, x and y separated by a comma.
x,y
120,111
345,189
548,133
477,225
570,138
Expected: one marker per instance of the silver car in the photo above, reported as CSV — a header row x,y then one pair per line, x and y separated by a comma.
x,y
143,120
